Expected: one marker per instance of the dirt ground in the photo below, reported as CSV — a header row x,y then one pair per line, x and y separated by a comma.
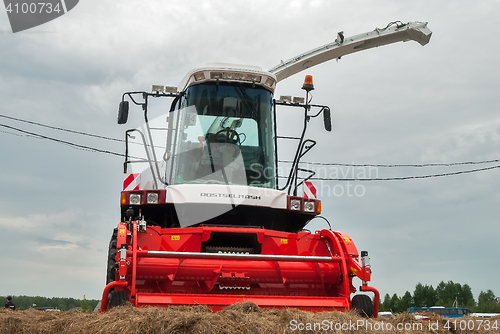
x,y
238,318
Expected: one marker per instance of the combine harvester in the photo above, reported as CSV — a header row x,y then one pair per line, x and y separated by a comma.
x,y
204,218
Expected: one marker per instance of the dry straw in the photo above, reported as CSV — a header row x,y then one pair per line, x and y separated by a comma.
x,y
238,318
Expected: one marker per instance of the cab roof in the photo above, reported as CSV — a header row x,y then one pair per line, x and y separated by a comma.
x,y
229,73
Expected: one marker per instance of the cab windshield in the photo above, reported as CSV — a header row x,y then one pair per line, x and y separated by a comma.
x,y
223,134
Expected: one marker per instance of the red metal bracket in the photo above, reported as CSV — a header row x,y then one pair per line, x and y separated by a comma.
x,y
104,300
376,299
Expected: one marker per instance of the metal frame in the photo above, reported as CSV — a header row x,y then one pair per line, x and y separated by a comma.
x,y
144,105
302,149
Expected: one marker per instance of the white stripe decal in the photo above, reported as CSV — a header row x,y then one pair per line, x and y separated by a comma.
x,y
131,182
309,190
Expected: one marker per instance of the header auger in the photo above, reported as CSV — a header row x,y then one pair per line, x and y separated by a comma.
x,y
205,218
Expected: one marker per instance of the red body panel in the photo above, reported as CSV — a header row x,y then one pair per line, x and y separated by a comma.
x,y
173,267
218,302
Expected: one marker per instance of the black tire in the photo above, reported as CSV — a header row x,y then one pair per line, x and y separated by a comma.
x,y
117,298
110,272
362,304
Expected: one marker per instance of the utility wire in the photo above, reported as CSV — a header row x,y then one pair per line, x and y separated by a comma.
x,y
92,149
397,165
282,161
73,131
63,141
61,129
402,177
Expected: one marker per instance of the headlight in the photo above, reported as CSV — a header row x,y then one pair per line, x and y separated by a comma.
x,y
135,199
152,198
215,75
199,76
308,206
269,82
295,204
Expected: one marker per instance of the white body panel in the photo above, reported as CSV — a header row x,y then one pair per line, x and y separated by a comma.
x,y
416,31
190,78
226,194
207,201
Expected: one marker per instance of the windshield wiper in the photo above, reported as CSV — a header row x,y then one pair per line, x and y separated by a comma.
x,y
245,99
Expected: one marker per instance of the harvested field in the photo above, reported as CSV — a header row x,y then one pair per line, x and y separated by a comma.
x,y
238,318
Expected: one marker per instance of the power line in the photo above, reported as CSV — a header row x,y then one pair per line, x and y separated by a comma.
x,y
397,165
282,161
61,129
92,149
403,177
73,131
63,141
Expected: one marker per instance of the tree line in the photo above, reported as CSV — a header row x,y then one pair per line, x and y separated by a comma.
x,y
63,304
445,294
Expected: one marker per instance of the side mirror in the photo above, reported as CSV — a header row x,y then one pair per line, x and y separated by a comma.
x,y
327,118
123,112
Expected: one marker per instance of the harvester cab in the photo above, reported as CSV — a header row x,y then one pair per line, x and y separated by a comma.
x,y
204,216
218,149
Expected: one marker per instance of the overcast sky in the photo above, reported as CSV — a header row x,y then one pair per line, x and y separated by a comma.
x,y
398,104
